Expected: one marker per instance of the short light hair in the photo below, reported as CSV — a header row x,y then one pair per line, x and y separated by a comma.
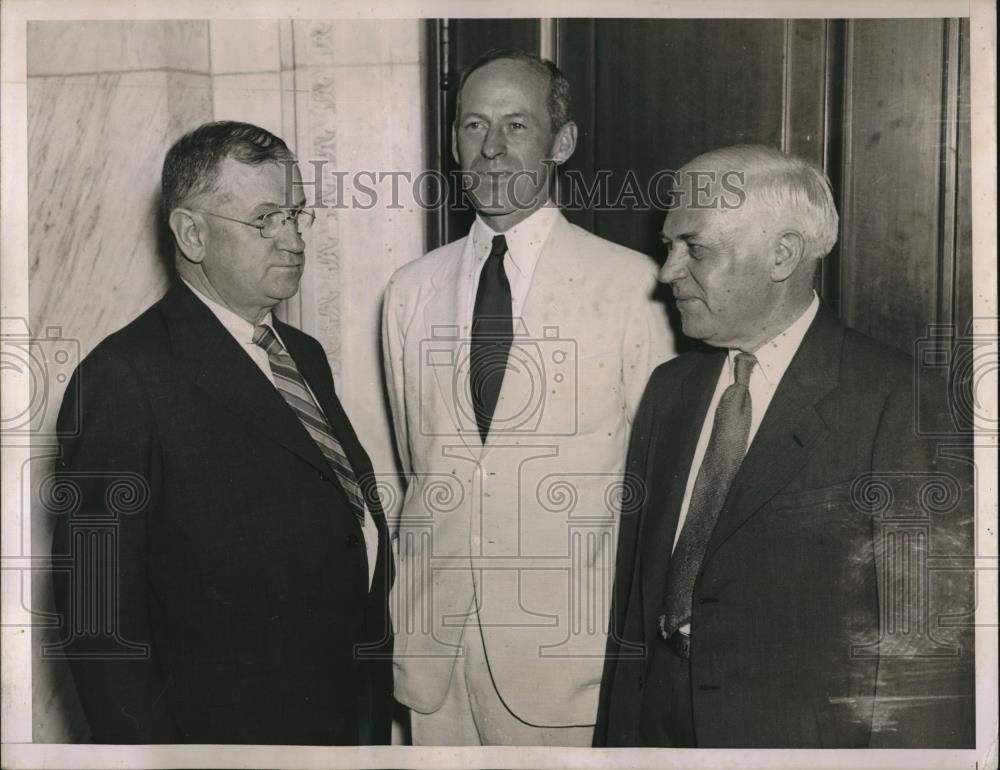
x,y
191,167
558,99
796,191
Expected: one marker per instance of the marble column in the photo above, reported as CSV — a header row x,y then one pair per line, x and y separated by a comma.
x,y
359,111
346,95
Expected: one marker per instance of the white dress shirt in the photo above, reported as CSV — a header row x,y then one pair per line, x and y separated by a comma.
x,y
242,332
524,245
773,358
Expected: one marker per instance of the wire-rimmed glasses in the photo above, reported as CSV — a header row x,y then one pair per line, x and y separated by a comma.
x,y
270,224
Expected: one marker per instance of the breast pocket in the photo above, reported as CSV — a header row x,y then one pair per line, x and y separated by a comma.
x,y
599,385
824,536
821,499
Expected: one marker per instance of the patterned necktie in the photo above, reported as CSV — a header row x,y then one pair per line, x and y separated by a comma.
x,y
726,448
492,334
295,391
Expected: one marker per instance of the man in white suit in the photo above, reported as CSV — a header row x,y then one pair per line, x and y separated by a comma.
x,y
515,359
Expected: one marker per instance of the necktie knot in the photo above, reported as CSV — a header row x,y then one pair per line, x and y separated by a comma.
x,y
744,366
499,247
265,338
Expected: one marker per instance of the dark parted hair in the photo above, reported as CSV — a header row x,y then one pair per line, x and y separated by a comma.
x,y
191,167
558,100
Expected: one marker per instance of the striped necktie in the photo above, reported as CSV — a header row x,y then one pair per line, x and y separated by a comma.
x,y
298,396
726,447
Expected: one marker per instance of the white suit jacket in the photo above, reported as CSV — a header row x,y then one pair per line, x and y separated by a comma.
x,y
525,527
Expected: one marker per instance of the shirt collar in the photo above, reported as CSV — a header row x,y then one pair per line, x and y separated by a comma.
x,y
236,325
775,355
524,241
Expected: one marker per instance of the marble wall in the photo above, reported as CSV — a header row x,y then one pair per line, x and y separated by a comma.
x,y
106,100
247,62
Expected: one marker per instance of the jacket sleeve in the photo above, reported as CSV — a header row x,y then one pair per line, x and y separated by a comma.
x,y
618,682
925,690
648,342
109,469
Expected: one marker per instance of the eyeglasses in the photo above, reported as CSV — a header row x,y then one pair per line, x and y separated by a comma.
x,y
270,224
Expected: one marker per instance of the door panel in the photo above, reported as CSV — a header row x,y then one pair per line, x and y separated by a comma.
x,y
680,88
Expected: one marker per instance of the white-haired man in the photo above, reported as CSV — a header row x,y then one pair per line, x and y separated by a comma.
x,y
770,587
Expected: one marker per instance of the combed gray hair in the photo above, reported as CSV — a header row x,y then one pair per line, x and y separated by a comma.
x,y
796,191
191,167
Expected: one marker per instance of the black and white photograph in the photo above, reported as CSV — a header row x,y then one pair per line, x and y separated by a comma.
x,y
523,385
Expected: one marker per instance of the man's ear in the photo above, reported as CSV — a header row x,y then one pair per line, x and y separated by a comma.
x,y
564,142
188,234
789,252
454,143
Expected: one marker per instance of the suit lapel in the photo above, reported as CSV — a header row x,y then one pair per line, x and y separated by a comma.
x,y
521,390
552,282
677,431
446,347
210,356
317,374
790,431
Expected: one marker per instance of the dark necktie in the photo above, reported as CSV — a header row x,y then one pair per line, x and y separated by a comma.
x,y
298,396
492,333
726,447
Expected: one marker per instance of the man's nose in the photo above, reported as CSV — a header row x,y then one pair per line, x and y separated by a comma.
x,y
675,267
289,238
494,143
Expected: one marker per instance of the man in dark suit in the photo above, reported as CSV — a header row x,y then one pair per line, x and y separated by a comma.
x,y
248,569
773,586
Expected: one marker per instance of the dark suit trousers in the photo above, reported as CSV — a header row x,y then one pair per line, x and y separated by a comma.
x,y
666,717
